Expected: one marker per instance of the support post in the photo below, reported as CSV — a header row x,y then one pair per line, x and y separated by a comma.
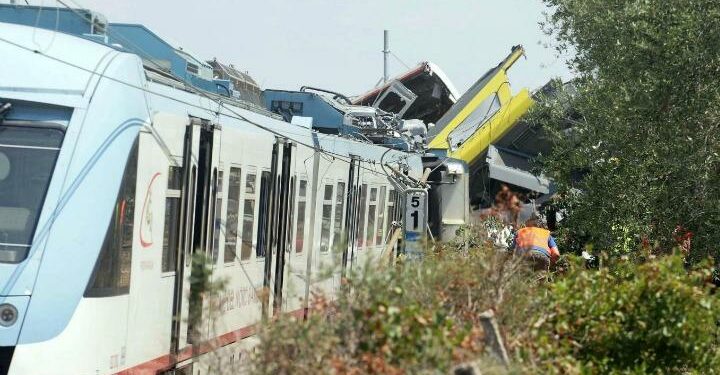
x,y
389,248
386,52
493,339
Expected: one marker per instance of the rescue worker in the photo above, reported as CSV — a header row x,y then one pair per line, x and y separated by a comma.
x,y
536,242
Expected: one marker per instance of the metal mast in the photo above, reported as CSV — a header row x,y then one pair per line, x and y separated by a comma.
x,y
386,52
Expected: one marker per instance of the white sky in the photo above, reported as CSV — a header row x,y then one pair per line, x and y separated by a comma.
x,y
336,44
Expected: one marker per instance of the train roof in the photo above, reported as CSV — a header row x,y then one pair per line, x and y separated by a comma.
x,y
168,63
63,77
64,66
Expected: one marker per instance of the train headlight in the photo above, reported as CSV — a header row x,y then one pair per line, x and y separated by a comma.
x,y
8,315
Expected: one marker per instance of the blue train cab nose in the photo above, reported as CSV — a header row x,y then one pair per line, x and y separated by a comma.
x,y
29,144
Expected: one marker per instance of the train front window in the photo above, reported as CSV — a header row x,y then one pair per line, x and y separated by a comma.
x,y
27,159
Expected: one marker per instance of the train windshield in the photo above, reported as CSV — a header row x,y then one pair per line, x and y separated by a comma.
x,y
27,159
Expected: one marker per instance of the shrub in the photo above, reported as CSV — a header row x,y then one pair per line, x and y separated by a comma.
x,y
373,328
416,317
648,318
635,315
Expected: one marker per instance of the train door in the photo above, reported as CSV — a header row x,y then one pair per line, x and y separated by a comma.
x,y
348,236
282,247
274,223
200,161
265,233
351,218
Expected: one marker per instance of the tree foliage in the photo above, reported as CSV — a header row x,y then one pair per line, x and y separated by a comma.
x,y
636,159
630,318
635,315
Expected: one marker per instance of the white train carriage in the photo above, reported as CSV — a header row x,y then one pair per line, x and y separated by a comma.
x,y
112,177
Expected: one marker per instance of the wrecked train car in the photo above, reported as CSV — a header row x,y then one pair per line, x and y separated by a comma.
x,y
424,93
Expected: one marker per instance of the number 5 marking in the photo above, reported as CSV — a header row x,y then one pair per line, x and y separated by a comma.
x,y
415,201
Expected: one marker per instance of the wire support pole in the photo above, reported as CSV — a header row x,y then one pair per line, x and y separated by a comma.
x,y
386,54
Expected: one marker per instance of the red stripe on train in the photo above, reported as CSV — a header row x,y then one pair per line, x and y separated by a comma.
x,y
165,362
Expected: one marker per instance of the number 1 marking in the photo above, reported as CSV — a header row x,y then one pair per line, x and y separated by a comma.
x,y
415,216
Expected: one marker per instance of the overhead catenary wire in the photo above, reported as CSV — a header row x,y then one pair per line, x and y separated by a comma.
x,y
37,22
43,53
194,90
399,60
235,115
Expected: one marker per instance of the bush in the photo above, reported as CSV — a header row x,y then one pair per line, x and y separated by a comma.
x,y
648,318
417,317
634,315
373,328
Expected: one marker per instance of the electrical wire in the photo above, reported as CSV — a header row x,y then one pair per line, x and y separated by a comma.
x,y
196,91
193,89
222,105
37,22
399,60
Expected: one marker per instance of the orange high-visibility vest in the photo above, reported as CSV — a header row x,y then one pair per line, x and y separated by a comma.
x,y
530,238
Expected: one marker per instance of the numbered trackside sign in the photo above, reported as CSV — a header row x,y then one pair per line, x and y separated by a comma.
x,y
415,221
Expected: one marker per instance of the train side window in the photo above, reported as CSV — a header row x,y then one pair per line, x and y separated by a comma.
x,y
171,233
218,216
263,212
328,193
372,216
250,184
300,226
325,228
275,237
361,217
381,216
391,209
303,188
291,217
248,216
111,276
189,217
231,220
339,214
398,203
248,223
175,175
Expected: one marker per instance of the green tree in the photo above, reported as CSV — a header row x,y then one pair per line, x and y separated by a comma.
x,y
650,318
637,157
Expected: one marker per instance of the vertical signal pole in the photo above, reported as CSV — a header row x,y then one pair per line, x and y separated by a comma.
x,y
386,52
